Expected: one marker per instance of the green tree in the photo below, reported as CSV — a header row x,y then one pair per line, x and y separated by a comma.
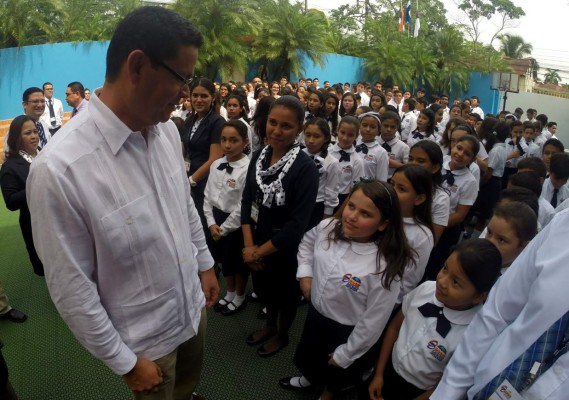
x,y
514,46
24,22
479,11
227,27
450,54
552,76
287,37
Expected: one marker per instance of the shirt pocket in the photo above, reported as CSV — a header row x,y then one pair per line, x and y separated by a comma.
x,y
130,230
153,318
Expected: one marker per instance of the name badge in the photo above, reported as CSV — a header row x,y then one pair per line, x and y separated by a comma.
x,y
506,392
254,212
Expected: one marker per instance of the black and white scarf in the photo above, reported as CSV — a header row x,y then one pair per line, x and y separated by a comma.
x,y
275,188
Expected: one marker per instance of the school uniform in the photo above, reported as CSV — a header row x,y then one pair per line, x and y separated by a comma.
x,y
328,182
511,167
349,305
440,208
523,303
421,353
547,212
463,190
475,171
548,191
376,159
396,150
421,240
222,207
408,124
417,136
490,191
352,168
533,149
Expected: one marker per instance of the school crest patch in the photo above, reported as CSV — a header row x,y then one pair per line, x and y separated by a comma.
x,y
438,351
352,282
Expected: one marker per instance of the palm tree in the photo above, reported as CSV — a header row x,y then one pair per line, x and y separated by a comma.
x,y
226,25
514,46
450,54
552,76
288,37
23,22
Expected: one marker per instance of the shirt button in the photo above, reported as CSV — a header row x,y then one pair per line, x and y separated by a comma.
x,y
129,221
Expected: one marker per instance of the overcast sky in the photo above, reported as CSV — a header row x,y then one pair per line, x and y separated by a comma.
x,y
544,26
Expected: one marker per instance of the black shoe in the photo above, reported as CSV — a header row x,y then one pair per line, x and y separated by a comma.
x,y
252,342
227,311
262,314
14,316
221,304
285,384
262,351
253,299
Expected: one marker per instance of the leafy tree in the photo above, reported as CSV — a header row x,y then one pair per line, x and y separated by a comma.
x,y
287,37
23,22
227,27
552,76
478,11
514,46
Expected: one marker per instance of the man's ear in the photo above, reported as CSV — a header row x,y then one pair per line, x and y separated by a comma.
x,y
134,64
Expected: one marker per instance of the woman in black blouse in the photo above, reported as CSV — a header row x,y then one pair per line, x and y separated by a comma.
x,y
23,142
203,130
279,194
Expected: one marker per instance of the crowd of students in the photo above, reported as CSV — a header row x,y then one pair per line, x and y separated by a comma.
x,y
360,199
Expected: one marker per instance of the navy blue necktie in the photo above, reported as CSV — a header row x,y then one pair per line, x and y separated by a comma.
x,y
429,310
554,198
449,178
362,148
417,135
41,133
225,166
344,156
387,147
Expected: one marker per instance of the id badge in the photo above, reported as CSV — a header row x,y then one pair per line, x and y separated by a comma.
x,y
506,392
254,212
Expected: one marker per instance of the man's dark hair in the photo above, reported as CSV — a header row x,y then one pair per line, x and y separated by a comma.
x,y
157,31
559,165
543,119
77,87
47,83
534,164
30,91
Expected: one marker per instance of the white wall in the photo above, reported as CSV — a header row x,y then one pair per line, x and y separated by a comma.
x,y
556,109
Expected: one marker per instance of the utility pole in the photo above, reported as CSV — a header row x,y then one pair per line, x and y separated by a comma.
x,y
305,6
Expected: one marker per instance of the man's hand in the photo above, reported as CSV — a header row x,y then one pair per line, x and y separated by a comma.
x,y
210,287
146,376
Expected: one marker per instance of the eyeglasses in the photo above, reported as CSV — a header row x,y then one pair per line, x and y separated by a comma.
x,y
185,82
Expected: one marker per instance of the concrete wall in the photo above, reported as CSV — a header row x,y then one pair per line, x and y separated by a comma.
x,y
556,109
60,64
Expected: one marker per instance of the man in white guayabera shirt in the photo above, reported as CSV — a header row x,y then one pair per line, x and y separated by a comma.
x,y
125,255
